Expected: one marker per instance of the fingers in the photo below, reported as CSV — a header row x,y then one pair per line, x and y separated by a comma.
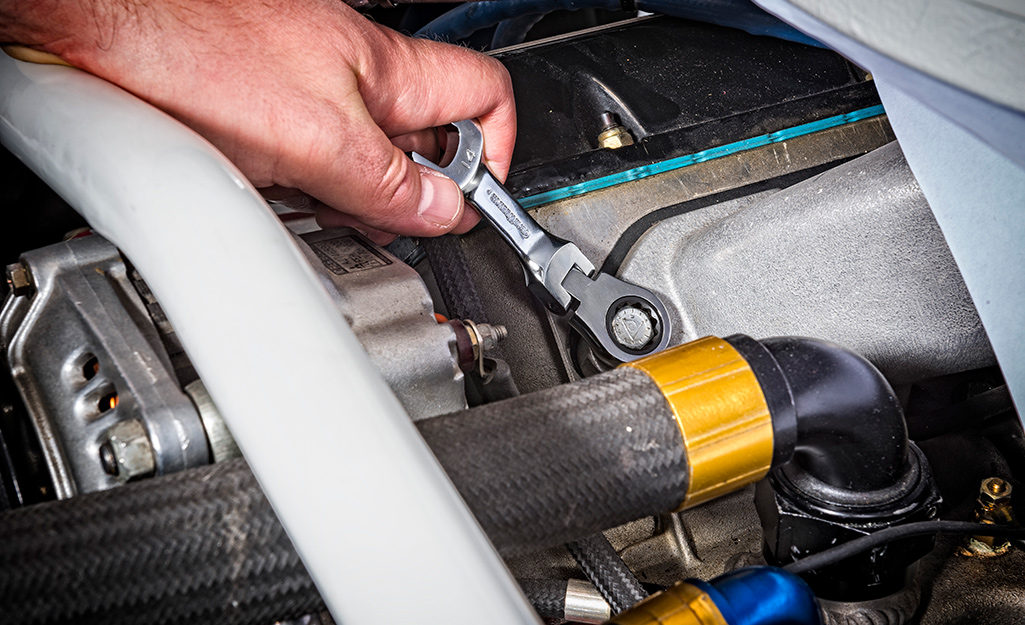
x,y
414,86
369,178
431,84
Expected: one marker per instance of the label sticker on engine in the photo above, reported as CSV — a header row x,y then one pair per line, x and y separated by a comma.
x,y
348,254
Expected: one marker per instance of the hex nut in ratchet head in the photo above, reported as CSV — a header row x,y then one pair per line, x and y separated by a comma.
x,y
128,452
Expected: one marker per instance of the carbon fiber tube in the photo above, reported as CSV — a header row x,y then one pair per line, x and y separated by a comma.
x,y
607,571
556,465
200,546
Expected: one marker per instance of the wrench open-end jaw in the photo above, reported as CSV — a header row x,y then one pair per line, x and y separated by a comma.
x,y
623,320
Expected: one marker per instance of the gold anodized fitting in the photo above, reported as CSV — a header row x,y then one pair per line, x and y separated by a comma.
x,y
721,411
681,604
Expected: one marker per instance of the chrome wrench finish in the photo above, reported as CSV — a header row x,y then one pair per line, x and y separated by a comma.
x,y
609,312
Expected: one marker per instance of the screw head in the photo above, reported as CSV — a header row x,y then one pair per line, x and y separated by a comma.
x,y
632,327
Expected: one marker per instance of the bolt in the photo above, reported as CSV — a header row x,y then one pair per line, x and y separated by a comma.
x,y
994,508
994,491
19,280
490,335
613,136
632,327
130,451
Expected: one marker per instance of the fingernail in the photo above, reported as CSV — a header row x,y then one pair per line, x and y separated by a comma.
x,y
441,201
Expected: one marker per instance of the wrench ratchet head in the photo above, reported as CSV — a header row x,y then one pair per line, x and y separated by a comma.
x,y
623,320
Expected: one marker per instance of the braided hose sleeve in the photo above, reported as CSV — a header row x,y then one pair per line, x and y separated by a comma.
x,y
200,546
548,596
204,545
557,465
607,571
452,275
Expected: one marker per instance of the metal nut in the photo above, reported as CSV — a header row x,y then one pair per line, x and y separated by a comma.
x,y
129,451
615,137
993,491
490,335
19,280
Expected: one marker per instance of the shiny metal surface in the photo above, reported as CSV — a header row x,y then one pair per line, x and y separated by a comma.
x,y
680,604
584,604
557,272
86,357
721,412
222,443
596,220
853,255
131,451
391,312
546,260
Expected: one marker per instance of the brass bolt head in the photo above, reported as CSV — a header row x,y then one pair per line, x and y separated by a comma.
x,y
615,137
19,280
993,491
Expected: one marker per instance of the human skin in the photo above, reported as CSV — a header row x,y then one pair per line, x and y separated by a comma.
x,y
303,94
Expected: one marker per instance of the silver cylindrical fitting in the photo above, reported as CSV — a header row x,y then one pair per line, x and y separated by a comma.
x,y
584,604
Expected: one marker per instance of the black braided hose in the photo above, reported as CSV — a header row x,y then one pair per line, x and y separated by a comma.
x,y
548,596
554,466
201,546
606,570
204,546
452,275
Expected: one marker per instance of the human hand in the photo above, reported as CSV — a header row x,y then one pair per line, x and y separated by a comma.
x,y
305,94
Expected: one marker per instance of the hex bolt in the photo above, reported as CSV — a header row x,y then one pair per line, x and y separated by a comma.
x,y
19,280
128,451
613,135
632,327
490,335
993,491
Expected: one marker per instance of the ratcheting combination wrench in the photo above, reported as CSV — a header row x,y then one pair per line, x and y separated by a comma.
x,y
623,320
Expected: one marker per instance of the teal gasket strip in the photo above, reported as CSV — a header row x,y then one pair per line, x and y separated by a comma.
x,y
699,157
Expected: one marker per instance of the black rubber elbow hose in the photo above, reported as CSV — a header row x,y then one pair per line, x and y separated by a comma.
x,y
664,433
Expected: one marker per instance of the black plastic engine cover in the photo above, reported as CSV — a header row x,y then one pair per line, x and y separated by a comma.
x,y
679,86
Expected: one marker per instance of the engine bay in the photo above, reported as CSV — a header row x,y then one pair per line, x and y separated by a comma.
x,y
829,374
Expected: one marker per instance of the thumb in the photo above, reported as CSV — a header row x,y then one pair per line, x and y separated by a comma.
x,y
382,188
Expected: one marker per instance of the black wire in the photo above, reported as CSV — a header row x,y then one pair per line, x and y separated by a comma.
x,y
858,545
